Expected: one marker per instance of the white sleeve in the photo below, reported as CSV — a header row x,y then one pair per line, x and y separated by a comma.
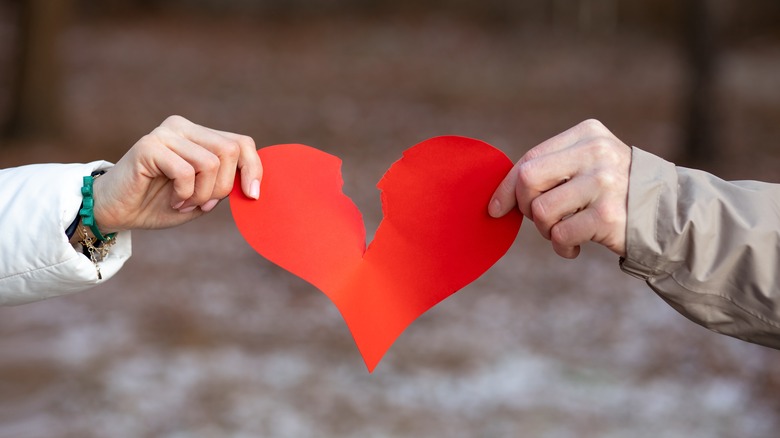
x,y
37,203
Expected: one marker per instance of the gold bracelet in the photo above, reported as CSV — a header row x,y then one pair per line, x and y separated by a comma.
x,y
97,249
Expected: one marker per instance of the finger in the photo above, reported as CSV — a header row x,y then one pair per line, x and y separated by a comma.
x,y
543,174
528,178
554,205
573,231
226,148
568,252
205,164
545,166
582,131
503,199
176,169
249,164
235,151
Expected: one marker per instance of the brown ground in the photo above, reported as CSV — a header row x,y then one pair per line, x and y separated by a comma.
x,y
200,337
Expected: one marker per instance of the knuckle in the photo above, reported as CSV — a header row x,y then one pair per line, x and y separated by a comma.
x,y
161,132
592,125
184,173
605,180
200,197
531,154
148,141
210,163
604,149
174,121
541,212
222,189
525,174
560,235
599,145
566,237
185,187
246,141
231,149
610,215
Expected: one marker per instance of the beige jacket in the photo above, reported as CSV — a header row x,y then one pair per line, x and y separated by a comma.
x,y
708,247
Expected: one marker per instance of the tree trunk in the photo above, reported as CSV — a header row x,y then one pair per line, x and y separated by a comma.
x,y
700,146
35,107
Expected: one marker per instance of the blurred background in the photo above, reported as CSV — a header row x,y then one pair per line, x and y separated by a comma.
x,y
201,337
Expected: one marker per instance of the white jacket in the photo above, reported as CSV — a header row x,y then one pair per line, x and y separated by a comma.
x,y
37,203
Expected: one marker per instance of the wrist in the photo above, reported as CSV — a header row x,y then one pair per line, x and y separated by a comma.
x,y
104,221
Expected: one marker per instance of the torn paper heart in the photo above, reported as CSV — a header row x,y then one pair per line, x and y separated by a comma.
x,y
435,238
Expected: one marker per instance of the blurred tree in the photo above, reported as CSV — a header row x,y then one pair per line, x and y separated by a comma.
x,y
91,8
700,146
35,105
588,16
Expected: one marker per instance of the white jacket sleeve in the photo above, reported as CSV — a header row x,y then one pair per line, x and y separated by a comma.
x,y
37,204
709,247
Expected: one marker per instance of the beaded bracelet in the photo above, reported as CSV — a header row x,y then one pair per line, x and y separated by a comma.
x,y
87,211
97,245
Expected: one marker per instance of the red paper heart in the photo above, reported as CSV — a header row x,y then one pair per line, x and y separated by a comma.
x,y
435,238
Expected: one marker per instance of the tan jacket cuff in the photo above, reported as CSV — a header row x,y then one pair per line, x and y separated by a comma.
x,y
650,178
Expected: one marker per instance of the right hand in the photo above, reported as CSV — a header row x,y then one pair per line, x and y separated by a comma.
x,y
574,187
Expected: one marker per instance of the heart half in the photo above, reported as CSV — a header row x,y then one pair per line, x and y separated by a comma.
x,y
435,238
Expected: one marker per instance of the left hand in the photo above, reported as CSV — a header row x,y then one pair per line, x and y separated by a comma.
x,y
174,174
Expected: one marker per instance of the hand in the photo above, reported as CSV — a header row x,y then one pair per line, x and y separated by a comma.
x,y
174,174
574,187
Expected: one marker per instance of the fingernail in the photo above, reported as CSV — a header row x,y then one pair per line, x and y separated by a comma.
x,y
495,207
188,209
178,206
254,189
209,205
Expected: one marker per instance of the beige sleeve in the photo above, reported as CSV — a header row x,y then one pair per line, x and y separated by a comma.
x,y
708,247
